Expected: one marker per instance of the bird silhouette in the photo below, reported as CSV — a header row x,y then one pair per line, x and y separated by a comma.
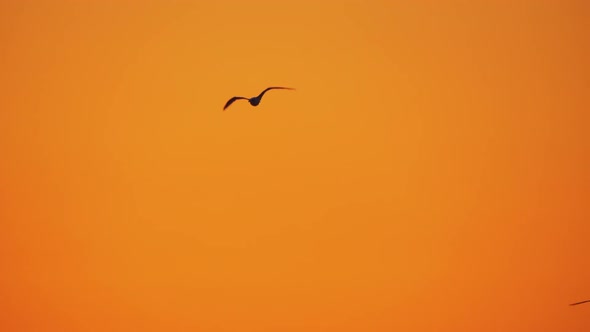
x,y
580,302
254,101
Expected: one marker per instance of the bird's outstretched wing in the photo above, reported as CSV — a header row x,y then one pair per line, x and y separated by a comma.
x,y
231,101
273,87
580,302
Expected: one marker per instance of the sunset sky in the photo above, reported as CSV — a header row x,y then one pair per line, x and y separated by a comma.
x,y
431,172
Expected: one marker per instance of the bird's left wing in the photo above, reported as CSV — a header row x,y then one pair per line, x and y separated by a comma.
x,y
231,101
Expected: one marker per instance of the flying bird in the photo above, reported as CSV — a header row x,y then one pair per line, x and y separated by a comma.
x,y
254,101
580,302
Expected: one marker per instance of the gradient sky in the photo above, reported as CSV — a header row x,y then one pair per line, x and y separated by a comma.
x,y
430,172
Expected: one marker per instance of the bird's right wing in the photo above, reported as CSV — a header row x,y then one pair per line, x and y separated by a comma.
x,y
577,303
278,87
273,87
231,101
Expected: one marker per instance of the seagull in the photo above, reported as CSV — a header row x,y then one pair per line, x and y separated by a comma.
x,y
254,101
580,302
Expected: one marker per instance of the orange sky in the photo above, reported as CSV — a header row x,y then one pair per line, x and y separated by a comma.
x,y
430,173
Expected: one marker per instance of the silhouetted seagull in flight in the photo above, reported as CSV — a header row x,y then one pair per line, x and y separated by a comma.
x,y
254,101
580,302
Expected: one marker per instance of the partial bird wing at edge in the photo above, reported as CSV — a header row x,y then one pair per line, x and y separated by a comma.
x,y
580,302
231,101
